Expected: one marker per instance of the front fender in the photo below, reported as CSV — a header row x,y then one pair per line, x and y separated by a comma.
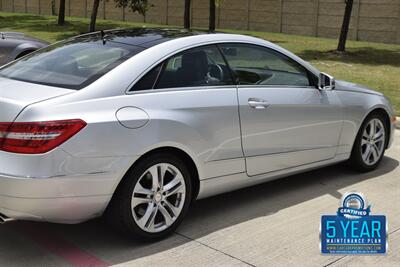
x,y
357,106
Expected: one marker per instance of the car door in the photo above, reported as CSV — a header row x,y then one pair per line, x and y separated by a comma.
x,y
286,121
191,100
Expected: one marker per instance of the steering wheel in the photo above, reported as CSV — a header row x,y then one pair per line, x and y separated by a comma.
x,y
216,71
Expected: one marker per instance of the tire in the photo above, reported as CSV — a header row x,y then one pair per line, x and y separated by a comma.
x,y
365,145
22,54
144,209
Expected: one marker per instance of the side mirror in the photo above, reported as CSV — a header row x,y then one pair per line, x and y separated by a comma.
x,y
326,82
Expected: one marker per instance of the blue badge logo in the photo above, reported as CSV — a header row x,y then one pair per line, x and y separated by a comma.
x,y
353,205
353,230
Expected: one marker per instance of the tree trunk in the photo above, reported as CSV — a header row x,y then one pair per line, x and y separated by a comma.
x,y
93,17
61,13
53,7
212,16
187,14
345,26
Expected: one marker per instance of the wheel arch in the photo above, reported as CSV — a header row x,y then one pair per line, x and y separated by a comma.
x,y
23,49
24,53
182,155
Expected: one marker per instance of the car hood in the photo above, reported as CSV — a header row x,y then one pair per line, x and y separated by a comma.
x,y
354,87
16,95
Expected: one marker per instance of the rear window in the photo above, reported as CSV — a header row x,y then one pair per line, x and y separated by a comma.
x,y
71,64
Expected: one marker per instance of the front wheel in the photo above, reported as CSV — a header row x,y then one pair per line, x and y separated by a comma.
x,y
370,143
153,197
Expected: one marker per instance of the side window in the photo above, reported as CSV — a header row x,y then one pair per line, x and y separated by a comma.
x,y
148,81
202,66
262,66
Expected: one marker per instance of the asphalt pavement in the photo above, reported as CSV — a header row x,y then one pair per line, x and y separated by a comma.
x,y
273,224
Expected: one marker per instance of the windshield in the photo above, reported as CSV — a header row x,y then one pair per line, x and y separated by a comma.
x,y
71,64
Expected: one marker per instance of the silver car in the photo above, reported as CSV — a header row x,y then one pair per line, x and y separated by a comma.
x,y
14,45
137,124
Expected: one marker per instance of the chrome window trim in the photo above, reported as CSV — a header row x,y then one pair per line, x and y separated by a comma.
x,y
270,86
213,87
190,88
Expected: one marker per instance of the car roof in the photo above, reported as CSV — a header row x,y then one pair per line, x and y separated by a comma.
x,y
157,44
143,37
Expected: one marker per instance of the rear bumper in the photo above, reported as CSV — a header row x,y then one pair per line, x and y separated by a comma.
x,y
57,187
58,199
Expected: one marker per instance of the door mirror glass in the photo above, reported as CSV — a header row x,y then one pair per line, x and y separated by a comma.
x,y
326,82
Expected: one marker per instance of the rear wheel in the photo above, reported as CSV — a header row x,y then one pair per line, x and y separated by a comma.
x,y
153,198
369,146
22,54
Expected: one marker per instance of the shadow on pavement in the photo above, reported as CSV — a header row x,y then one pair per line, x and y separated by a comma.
x,y
209,215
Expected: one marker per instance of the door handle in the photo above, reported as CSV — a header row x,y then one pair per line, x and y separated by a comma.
x,y
258,103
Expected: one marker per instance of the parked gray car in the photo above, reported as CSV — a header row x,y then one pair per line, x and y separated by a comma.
x,y
14,45
136,124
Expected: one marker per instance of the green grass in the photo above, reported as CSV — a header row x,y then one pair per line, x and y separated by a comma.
x,y
373,64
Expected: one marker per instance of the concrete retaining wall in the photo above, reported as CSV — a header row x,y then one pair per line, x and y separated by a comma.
x,y
373,20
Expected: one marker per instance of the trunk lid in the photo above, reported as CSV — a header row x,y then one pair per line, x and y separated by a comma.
x,y
16,95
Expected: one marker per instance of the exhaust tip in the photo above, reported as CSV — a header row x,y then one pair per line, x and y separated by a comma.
x,y
4,219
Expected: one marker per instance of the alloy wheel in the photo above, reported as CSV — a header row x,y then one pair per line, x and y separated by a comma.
x,y
373,141
158,197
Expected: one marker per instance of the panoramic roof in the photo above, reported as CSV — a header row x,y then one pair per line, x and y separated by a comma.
x,y
142,37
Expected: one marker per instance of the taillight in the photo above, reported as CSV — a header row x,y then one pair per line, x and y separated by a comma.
x,y
37,137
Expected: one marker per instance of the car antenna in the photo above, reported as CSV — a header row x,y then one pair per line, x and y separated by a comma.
x,y
103,35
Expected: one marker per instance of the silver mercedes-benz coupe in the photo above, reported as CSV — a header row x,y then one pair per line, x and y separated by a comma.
x,y
137,124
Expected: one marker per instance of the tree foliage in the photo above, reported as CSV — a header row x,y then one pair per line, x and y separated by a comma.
x,y
139,6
